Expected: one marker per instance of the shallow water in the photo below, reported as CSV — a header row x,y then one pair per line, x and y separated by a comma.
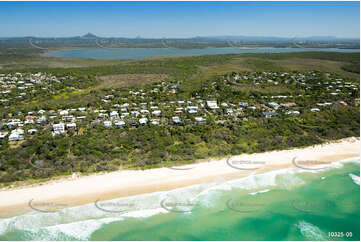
x,y
287,204
139,53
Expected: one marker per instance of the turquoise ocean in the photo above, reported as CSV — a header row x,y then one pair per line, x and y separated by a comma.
x,y
286,204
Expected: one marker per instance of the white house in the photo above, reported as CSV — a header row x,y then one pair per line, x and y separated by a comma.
x,y
58,128
315,110
41,119
212,104
229,111
102,116
156,112
134,113
107,124
123,115
114,115
143,121
119,123
200,120
155,121
64,112
192,109
16,135
32,131
144,111
12,124
67,118
293,113
71,126
273,105
176,120
270,114
3,134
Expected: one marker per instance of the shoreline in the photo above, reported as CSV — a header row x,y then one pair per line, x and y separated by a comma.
x,y
87,189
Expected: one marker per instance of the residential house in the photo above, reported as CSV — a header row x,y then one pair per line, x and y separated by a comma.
x,y
192,109
107,124
16,135
119,123
270,114
114,115
71,126
155,121
315,110
273,105
143,121
32,131
200,120
41,120
243,104
58,128
176,120
212,104
3,134
156,112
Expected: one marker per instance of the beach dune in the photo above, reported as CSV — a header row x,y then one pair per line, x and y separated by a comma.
x,y
75,190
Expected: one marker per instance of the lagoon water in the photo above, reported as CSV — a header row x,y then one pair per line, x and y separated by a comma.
x,y
287,204
139,53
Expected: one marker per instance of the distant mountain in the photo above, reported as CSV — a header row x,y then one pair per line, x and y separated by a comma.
x,y
90,36
92,40
208,38
326,38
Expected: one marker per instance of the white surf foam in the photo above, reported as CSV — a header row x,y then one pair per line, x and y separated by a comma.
x,y
356,179
351,160
77,230
310,231
262,191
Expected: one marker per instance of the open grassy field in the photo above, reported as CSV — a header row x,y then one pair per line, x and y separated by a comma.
x,y
121,80
52,62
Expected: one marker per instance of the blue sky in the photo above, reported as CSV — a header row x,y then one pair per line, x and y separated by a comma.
x,y
180,19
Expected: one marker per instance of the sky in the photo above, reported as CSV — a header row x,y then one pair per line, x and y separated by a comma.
x,y
180,19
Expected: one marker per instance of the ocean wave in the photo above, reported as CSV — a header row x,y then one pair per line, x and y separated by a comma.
x,y
351,160
70,231
262,191
356,179
310,231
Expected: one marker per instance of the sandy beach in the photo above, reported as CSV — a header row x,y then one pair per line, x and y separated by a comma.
x,y
87,189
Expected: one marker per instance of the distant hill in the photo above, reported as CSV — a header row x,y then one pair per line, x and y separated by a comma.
x,y
92,40
209,38
90,36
